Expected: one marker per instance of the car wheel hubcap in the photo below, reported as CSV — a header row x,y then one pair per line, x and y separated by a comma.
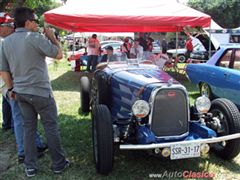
x,y
181,59
223,130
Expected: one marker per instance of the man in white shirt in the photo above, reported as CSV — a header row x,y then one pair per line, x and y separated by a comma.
x,y
137,50
93,53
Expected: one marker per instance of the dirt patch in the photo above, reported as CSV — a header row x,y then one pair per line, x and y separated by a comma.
x,y
7,153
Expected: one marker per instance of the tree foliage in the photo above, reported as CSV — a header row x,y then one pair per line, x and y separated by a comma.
x,y
40,6
225,12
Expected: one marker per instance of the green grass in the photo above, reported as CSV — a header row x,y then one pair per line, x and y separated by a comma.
x,y
75,131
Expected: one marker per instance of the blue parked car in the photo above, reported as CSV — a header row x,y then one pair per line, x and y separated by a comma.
x,y
220,75
136,106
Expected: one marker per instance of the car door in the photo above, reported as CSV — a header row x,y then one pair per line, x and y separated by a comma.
x,y
232,78
219,74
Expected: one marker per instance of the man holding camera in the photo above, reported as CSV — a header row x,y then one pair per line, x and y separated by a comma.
x,y
24,54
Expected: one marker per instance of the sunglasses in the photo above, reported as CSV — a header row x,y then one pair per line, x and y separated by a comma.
x,y
7,25
35,20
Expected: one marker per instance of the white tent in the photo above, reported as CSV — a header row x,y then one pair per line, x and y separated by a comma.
x,y
218,34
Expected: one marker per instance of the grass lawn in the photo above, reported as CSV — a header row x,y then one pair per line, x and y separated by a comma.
x,y
75,131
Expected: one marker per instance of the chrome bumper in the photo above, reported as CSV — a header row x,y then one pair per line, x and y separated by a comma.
x,y
163,145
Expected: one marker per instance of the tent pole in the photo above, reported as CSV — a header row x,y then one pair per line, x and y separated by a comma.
x,y
176,44
210,44
177,40
73,42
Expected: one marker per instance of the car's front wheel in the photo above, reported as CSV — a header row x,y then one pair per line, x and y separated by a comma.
x,y
102,134
228,117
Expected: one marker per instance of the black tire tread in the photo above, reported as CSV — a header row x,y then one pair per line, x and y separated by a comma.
x,y
102,117
232,148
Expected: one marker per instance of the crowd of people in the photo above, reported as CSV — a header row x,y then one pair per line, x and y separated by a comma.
x,y
26,88
140,48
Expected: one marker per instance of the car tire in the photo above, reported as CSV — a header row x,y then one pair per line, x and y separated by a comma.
x,y
84,94
181,58
102,135
206,90
229,117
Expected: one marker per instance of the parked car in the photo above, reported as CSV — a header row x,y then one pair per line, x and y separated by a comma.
x,y
156,48
102,43
200,50
115,44
220,75
136,106
75,55
116,47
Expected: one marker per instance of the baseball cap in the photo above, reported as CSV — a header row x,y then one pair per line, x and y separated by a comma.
x,y
5,18
110,48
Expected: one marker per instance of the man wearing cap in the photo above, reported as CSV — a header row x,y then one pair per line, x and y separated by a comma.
x,y
26,50
6,28
109,57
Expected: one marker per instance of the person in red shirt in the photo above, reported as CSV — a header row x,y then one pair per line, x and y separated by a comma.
x,y
189,46
126,47
149,44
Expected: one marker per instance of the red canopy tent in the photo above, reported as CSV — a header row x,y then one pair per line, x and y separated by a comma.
x,y
126,16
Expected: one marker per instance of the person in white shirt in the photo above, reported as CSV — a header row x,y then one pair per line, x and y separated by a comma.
x,y
94,50
137,50
162,59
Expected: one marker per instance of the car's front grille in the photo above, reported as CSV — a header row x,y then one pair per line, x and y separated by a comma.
x,y
169,113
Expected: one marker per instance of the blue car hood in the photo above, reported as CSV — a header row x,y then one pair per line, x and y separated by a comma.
x,y
145,78
140,75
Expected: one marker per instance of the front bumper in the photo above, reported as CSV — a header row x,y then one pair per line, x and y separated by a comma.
x,y
163,145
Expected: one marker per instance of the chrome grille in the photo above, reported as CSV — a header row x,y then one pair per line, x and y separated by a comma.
x,y
169,113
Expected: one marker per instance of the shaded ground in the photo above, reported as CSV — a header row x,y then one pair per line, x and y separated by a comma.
x,y
7,147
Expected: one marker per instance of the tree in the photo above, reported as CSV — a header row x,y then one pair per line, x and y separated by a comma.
x,y
225,12
40,6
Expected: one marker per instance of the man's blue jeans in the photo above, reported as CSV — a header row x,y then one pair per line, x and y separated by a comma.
x,y
18,128
7,114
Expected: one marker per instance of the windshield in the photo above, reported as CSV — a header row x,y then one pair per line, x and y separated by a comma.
x,y
121,58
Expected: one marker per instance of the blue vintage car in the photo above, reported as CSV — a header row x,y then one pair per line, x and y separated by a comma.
x,y
136,106
220,75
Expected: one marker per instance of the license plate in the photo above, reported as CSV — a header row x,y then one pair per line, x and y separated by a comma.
x,y
181,151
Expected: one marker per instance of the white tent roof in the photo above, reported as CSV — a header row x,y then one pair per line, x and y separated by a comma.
x,y
214,25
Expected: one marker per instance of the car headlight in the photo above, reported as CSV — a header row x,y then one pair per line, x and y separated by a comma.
x,y
140,108
202,104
